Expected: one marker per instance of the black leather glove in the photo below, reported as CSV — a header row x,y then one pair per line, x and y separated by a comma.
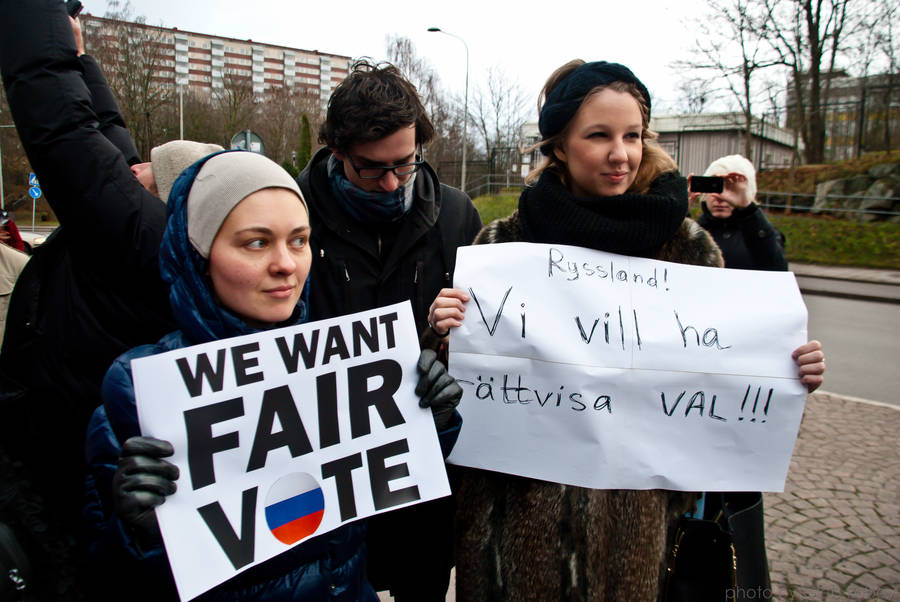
x,y
141,483
437,389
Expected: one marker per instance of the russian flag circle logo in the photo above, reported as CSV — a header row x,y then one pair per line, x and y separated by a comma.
x,y
294,507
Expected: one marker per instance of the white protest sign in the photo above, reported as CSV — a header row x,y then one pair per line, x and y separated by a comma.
x,y
613,372
286,434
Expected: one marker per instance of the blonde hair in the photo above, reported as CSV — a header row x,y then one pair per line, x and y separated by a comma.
x,y
654,160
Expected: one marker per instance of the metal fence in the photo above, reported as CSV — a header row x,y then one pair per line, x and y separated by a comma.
x,y
494,184
843,205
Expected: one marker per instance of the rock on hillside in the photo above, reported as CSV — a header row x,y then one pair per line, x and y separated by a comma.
x,y
866,196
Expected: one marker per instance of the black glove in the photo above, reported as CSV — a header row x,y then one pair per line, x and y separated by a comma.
x,y
141,483
437,389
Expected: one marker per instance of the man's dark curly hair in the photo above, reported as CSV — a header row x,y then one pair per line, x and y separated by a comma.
x,y
373,102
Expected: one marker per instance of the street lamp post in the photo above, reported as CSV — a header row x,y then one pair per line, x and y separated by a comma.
x,y
181,112
462,178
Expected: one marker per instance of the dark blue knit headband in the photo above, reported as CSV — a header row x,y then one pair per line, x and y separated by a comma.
x,y
563,101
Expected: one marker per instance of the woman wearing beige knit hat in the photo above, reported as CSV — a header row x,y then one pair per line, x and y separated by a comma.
x,y
236,256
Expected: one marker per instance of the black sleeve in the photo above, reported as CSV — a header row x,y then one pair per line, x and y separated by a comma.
x,y
112,124
765,243
464,215
86,178
474,221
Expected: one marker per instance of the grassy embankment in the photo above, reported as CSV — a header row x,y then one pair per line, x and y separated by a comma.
x,y
810,239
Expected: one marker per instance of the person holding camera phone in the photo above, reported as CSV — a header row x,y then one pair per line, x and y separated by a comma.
x,y
727,193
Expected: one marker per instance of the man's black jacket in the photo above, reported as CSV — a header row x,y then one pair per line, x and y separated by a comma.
x,y
357,267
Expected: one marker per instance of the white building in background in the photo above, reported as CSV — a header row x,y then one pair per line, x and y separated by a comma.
x,y
696,140
203,61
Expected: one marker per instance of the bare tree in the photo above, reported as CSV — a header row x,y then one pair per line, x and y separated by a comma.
x,y
876,51
202,120
888,45
235,101
278,123
402,54
696,92
133,58
15,166
498,112
445,111
729,54
279,118
808,36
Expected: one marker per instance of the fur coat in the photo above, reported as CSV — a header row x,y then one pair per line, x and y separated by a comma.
x,y
523,539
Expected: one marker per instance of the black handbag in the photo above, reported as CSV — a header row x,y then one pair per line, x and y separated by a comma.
x,y
721,556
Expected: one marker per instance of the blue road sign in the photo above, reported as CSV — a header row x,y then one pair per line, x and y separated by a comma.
x,y
34,192
32,180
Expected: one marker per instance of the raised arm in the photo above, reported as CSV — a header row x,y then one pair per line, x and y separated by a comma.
x,y
85,176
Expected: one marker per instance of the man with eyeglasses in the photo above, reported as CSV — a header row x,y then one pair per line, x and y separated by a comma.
x,y
385,230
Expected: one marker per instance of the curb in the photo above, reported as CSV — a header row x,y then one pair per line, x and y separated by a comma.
x,y
871,402
853,296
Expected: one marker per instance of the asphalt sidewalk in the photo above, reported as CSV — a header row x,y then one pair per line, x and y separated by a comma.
x,y
848,282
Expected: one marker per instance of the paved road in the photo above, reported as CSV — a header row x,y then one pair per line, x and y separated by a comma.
x,y
861,344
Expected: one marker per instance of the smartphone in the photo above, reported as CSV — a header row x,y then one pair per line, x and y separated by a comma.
x,y
73,7
707,184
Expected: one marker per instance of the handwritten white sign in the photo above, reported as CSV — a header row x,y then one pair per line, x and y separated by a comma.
x,y
284,435
605,371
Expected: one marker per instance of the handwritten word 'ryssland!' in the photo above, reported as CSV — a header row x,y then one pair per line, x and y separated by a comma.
x,y
559,266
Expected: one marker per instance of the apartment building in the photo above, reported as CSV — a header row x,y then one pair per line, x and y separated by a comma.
x,y
861,113
204,61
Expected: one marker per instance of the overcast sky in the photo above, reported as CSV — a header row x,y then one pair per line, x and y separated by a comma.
x,y
527,40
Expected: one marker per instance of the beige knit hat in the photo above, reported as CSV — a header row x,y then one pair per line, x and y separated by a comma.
x,y
222,183
735,164
170,159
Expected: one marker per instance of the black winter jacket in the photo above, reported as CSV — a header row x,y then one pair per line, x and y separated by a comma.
x,y
747,239
93,290
410,550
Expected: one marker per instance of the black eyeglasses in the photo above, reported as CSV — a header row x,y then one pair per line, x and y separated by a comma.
x,y
375,172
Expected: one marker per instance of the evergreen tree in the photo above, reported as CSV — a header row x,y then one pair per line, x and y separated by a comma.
x,y
304,149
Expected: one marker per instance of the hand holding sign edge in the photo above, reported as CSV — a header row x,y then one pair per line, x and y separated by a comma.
x,y
437,389
141,483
